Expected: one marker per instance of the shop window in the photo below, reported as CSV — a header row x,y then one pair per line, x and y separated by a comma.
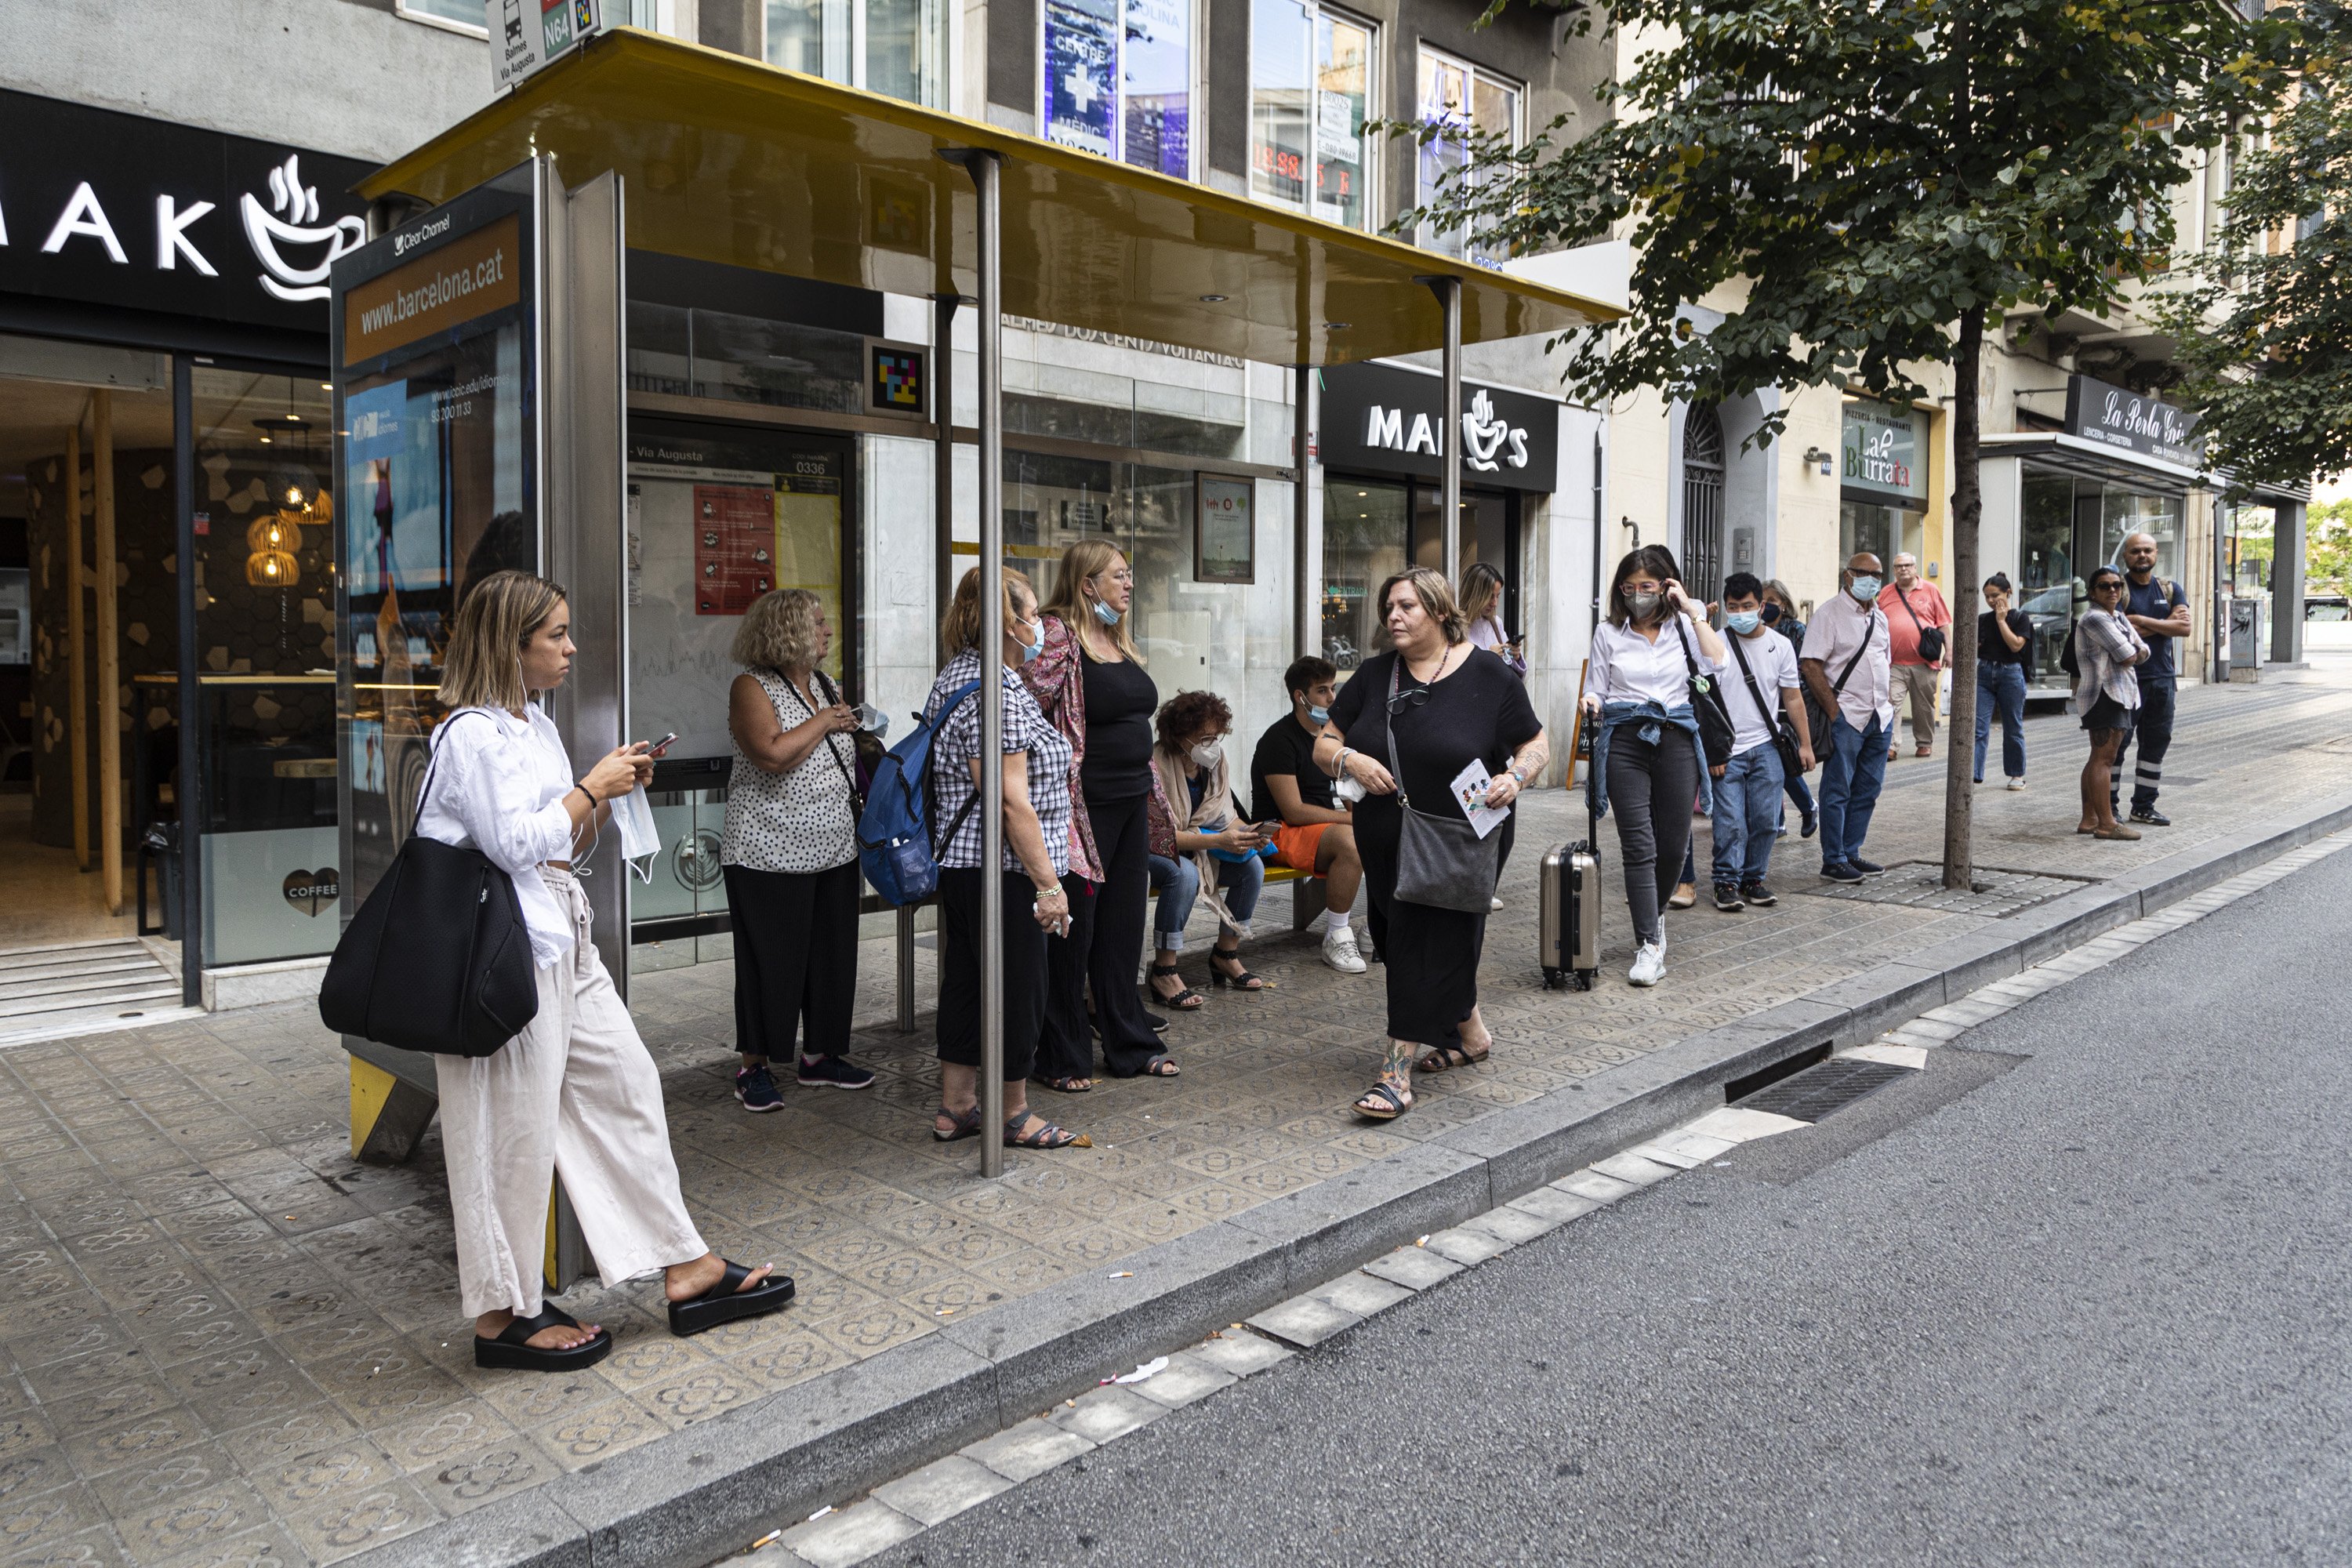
x,y
2248,543
1885,532
1463,102
1118,80
744,359
1366,533
459,16
266,502
897,48
1311,72
2049,587
2123,513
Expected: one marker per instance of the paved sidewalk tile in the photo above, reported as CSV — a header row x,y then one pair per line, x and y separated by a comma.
x,y
1028,1448
850,1536
1305,1320
1466,1246
1102,1415
1506,1225
185,1192
942,1490
1362,1294
1186,1378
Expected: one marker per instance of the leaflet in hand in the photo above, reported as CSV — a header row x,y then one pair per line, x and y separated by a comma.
x,y
1469,788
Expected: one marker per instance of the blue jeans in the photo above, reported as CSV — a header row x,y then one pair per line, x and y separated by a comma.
x,y
1746,813
1179,885
1851,776
2003,687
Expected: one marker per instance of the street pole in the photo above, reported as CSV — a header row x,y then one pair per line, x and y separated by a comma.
x,y
1448,291
1302,433
987,169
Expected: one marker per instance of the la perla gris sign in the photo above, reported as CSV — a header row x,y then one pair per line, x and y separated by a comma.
x,y
119,209
1380,419
2119,417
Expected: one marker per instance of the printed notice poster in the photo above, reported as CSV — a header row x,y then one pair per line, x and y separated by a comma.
x,y
1082,73
1223,541
734,547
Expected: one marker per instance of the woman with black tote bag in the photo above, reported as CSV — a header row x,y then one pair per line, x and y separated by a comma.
x,y
575,1093
1405,726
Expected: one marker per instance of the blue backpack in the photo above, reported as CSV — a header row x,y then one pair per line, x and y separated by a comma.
x,y
895,847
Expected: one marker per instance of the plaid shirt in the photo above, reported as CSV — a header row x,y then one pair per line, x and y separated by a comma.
x,y
958,743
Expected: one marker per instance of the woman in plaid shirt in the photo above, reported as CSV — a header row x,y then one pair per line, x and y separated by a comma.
x,y
1029,882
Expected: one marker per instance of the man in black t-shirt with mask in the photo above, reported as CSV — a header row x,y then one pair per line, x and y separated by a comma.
x,y
1316,835
2159,611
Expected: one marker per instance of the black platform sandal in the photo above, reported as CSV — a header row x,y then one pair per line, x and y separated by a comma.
x,y
1384,1102
967,1124
512,1351
728,1300
1184,1001
1242,980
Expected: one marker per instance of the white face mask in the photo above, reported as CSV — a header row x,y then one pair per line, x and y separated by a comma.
x,y
640,839
1207,754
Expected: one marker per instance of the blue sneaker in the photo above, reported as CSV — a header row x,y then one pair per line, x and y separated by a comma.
x,y
1839,871
834,1072
756,1090
1812,823
1868,867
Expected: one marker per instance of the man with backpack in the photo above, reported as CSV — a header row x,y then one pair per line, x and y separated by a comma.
x,y
2159,611
1918,633
1850,707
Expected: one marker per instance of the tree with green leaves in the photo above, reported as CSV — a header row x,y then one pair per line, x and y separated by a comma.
x,y
2265,329
1882,180
2328,548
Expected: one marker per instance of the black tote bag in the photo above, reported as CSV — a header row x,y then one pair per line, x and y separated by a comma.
x,y
437,959
1715,734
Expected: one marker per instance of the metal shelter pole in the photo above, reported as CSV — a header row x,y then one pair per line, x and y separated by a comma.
x,y
109,650
77,658
986,169
1449,302
1302,435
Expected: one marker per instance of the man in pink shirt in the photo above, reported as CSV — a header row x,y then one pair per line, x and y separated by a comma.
x,y
1918,626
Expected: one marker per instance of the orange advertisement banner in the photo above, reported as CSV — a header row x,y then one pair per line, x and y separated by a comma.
x,y
468,278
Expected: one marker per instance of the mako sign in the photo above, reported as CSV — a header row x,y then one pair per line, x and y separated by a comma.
x,y
1379,419
117,209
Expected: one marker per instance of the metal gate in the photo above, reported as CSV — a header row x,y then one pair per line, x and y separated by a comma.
x,y
1703,503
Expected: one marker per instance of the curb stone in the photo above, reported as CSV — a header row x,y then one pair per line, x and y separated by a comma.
x,y
697,1495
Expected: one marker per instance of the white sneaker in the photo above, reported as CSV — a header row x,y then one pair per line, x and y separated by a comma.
x,y
1340,950
1494,903
2017,783
1649,965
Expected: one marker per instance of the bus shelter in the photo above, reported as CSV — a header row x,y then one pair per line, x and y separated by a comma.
x,y
485,412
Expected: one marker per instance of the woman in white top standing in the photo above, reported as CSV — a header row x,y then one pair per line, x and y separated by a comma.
x,y
789,849
576,1094
1482,606
1645,749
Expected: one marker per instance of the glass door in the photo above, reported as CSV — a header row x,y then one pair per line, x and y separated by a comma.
x,y
2045,570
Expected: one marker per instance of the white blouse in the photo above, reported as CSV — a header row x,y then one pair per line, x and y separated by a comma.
x,y
1629,667
497,785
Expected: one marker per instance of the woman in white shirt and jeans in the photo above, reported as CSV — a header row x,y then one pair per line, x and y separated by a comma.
x,y
575,1094
1645,751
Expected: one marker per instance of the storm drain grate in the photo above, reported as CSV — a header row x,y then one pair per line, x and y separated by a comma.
x,y
1822,1091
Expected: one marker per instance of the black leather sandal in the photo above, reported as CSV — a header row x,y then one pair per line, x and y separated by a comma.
x,y
1384,1102
967,1123
1184,1001
512,1351
728,1300
1240,979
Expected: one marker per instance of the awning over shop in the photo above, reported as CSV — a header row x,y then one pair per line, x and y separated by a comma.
x,y
2054,449
732,161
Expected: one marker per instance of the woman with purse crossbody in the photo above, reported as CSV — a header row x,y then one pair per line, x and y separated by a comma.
x,y
789,851
1405,727
1646,749
576,1094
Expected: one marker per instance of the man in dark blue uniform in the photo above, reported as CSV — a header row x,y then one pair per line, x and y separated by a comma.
x,y
2160,612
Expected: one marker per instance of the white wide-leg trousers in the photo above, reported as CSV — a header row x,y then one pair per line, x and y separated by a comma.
x,y
574,1095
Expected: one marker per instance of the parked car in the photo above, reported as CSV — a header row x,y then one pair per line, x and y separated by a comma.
x,y
2051,613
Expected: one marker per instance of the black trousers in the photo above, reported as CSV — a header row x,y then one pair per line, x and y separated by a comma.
x,y
1651,787
1103,951
1429,956
795,959
961,911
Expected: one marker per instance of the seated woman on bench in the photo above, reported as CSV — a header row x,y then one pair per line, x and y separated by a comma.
x,y
1204,843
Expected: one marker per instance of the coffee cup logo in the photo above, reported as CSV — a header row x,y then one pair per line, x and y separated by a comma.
x,y
293,219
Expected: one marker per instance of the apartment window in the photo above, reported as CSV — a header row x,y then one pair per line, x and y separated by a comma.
x,y
1118,80
897,48
459,15
1311,72
1460,97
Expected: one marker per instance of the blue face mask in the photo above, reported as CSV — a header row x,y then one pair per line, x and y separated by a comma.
x,y
1744,622
1105,614
1030,650
1320,715
1865,589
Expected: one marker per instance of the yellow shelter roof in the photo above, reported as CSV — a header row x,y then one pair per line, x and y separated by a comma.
x,y
729,160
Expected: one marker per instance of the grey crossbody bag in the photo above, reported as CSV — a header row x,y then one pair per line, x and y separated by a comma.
x,y
1440,861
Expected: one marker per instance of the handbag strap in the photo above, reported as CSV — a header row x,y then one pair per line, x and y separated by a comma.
x,y
1869,629
433,766
1914,610
1772,719
833,696
1690,663
1396,768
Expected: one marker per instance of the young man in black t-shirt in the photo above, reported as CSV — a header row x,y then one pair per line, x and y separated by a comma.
x,y
1317,834
2159,611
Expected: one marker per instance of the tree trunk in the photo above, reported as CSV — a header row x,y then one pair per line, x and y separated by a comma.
x,y
1967,510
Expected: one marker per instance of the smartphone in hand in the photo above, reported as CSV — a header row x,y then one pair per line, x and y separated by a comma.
x,y
655,748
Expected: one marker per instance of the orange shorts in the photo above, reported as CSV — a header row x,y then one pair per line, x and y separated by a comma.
x,y
1298,846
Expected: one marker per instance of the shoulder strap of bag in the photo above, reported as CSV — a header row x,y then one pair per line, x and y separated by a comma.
x,y
433,766
930,794
1748,675
1914,609
1396,768
1690,663
833,697
1869,630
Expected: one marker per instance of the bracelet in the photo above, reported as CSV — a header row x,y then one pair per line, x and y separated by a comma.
x,y
593,801
1340,761
1044,893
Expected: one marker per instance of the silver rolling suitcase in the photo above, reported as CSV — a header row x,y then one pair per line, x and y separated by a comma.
x,y
1568,934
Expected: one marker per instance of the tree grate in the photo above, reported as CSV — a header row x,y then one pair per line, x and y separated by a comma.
x,y
1822,1091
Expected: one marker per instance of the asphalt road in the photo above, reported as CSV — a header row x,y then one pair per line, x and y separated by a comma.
x,y
2077,1294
